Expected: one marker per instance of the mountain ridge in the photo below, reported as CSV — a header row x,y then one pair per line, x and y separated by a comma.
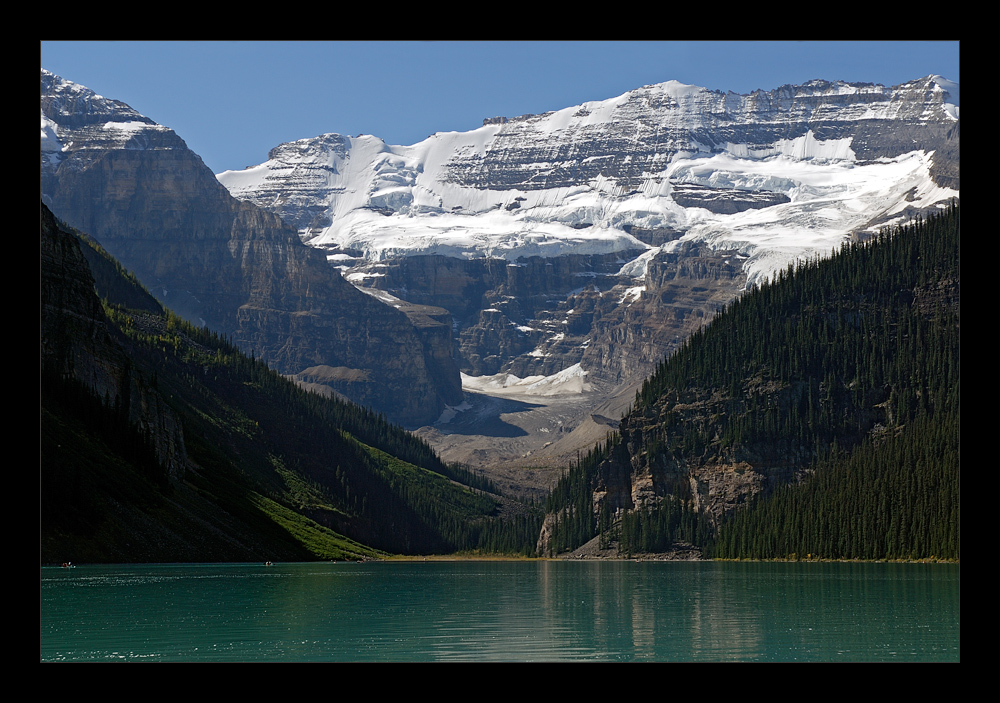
x,y
136,187
343,184
551,257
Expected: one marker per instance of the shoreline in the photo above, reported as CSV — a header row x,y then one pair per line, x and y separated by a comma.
x,y
484,558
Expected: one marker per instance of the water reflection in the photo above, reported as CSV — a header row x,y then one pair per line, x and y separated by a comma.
x,y
503,611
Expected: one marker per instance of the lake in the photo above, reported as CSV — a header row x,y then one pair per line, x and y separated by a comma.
x,y
502,611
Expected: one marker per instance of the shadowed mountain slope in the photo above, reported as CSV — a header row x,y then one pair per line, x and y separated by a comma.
x,y
162,442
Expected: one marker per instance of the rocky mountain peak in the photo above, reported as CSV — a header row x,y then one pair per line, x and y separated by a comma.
x,y
75,118
153,204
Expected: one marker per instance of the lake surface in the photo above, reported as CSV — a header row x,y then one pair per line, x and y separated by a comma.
x,y
502,611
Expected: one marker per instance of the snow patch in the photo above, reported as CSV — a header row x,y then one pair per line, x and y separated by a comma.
x,y
450,411
632,294
799,148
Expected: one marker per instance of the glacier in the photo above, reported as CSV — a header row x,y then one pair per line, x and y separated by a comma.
x,y
359,194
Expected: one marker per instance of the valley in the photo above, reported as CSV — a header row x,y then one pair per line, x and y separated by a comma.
x,y
519,438
551,349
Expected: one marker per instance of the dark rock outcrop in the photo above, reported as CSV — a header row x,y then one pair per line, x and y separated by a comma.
x,y
636,477
725,201
78,346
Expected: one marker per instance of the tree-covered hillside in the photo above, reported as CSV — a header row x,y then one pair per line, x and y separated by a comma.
x,y
818,414
161,441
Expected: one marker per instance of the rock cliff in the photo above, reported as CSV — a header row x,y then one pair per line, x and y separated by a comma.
x,y
541,315
641,471
152,203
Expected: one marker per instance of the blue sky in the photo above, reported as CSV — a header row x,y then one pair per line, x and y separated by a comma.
x,y
233,101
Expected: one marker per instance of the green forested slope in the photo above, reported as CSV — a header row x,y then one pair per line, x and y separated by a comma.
x,y
270,471
893,498
845,369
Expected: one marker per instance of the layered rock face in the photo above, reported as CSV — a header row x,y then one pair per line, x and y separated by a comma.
x,y
153,204
653,124
538,316
680,293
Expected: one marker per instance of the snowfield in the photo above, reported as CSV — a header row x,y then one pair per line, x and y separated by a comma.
x,y
388,201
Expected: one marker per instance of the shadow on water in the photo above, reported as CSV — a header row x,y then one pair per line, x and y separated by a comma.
x,y
483,418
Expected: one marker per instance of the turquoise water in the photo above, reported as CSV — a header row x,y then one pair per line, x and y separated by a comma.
x,y
501,611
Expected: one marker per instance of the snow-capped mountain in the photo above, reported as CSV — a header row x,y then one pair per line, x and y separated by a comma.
x,y
624,224
774,175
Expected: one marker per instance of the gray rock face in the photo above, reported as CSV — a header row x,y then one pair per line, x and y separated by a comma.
x,y
158,209
725,201
683,291
538,316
